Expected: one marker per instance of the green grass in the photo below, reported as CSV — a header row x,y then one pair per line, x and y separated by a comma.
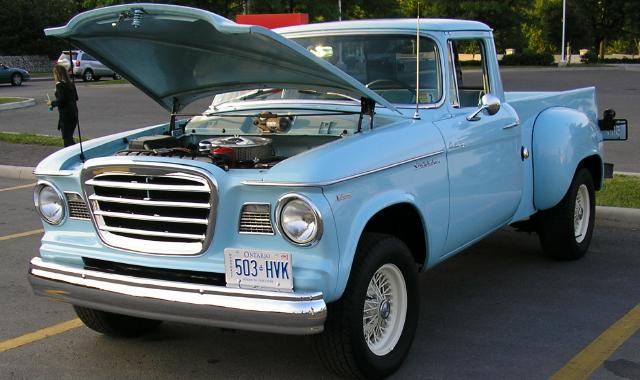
x,y
10,100
27,138
107,82
620,191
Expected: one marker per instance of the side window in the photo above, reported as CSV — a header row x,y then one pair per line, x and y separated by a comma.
x,y
469,74
87,57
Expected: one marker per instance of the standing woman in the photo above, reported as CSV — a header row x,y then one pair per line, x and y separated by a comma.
x,y
66,98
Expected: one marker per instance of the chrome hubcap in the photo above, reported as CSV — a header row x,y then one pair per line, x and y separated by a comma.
x,y
385,309
581,213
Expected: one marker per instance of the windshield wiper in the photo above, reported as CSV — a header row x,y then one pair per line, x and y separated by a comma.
x,y
250,95
328,93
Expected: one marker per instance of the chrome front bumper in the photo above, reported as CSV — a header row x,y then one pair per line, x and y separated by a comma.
x,y
245,309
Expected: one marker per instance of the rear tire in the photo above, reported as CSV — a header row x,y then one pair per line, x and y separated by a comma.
x,y
116,325
369,331
87,76
565,230
116,76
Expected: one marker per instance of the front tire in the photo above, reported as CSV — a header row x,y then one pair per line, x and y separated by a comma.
x,y
369,331
115,325
16,79
565,230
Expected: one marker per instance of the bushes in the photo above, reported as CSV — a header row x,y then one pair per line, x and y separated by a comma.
x,y
528,58
592,57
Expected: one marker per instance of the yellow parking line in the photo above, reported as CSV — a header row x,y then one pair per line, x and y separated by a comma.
x,y
21,234
591,358
40,334
18,187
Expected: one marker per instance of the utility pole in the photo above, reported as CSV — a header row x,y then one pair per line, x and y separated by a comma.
x,y
339,10
563,59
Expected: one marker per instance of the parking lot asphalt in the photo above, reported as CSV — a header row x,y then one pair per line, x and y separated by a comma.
x,y
106,109
500,310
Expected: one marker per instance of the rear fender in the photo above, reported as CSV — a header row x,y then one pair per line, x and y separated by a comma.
x,y
562,139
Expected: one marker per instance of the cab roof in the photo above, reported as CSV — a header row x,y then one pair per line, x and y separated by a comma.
x,y
408,24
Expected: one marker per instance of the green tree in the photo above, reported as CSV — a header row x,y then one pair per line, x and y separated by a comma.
x,y
22,23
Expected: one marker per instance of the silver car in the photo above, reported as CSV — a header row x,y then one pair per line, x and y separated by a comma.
x,y
85,66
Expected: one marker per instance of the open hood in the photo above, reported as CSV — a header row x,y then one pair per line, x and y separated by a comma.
x,y
178,54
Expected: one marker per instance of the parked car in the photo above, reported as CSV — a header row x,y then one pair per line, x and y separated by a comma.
x,y
85,66
323,178
13,75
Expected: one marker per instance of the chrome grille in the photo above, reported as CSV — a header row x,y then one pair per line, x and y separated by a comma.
x,y
149,209
77,207
255,218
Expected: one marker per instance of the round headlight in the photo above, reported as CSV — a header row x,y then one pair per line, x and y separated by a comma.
x,y
49,203
299,220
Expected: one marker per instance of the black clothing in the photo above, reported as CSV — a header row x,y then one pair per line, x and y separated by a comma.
x,y
66,98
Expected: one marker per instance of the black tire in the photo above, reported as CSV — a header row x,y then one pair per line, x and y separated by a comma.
x,y
557,226
87,75
116,325
116,76
16,79
342,347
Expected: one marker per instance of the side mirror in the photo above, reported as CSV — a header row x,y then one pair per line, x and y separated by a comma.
x,y
488,102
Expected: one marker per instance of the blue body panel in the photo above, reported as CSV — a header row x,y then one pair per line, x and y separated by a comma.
x,y
562,137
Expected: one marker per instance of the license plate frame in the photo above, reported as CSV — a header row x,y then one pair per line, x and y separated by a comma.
x,y
258,268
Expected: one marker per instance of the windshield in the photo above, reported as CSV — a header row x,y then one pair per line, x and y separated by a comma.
x,y
384,63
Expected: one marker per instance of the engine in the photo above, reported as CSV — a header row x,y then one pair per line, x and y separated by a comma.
x,y
231,152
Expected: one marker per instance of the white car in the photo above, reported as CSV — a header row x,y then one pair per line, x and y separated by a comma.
x,y
85,66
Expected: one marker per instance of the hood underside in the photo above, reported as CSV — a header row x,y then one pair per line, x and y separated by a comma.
x,y
178,54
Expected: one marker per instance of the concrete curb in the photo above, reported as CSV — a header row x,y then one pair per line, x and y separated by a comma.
x,y
27,102
17,172
628,173
619,214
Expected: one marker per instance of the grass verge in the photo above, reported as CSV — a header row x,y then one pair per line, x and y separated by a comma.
x,y
111,81
28,138
620,191
10,100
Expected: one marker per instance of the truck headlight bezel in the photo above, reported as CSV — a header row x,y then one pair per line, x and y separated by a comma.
x,y
294,211
53,208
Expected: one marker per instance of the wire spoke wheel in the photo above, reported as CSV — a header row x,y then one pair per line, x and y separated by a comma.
x,y
581,213
385,309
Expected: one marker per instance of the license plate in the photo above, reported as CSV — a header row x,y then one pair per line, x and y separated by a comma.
x,y
254,268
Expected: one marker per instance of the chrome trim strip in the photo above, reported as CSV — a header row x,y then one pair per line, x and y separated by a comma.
x,y
147,186
153,218
512,125
347,178
54,173
151,233
455,103
141,202
299,313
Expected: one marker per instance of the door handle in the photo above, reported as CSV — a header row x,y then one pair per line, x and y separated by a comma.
x,y
512,125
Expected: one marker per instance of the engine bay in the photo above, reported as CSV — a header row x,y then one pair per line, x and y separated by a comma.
x,y
248,142
227,152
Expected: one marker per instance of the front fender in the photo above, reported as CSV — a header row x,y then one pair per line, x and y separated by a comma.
x,y
366,210
562,138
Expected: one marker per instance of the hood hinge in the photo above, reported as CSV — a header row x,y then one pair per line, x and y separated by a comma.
x,y
367,107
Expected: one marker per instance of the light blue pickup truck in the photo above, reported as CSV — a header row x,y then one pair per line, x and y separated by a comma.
x,y
335,163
